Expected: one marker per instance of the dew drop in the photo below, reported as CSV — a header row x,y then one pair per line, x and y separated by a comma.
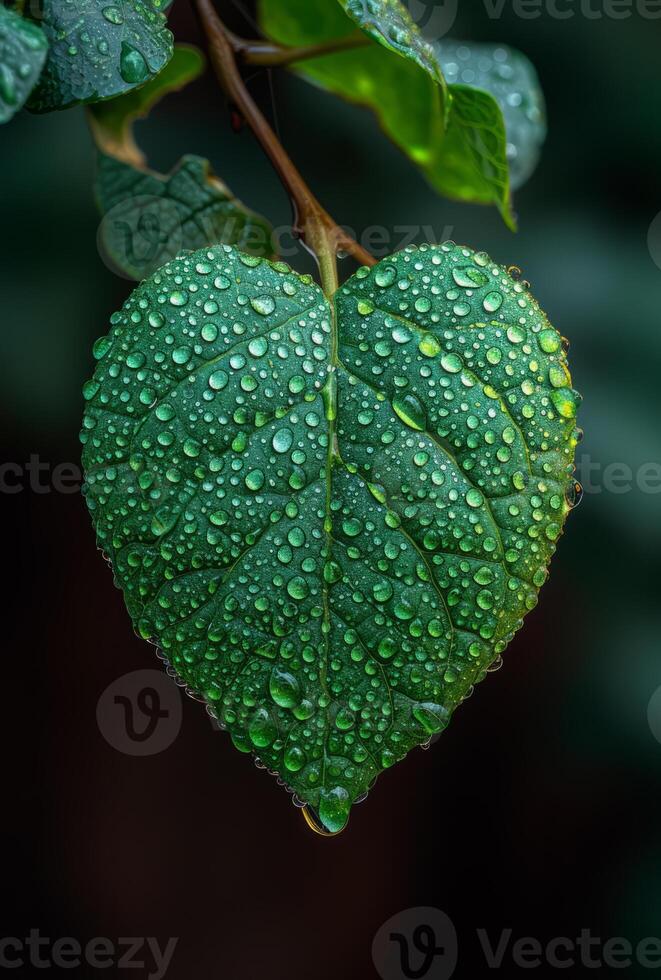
x,y
452,363
282,440
474,498
264,305
469,277
334,809
492,301
284,688
218,380
255,480
549,341
132,65
429,345
411,411
385,276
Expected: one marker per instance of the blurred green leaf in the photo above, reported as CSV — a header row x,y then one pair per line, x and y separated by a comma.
x,y
23,50
511,78
354,550
99,49
456,138
150,217
112,121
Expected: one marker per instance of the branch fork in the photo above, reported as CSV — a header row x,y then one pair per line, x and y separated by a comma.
x,y
311,222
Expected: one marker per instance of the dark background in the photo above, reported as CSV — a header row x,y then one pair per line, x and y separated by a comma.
x,y
539,809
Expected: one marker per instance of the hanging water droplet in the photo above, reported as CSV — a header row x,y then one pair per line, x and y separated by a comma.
x,y
334,809
574,494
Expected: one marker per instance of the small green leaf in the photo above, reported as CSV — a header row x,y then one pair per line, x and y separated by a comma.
x,y
471,163
23,49
99,49
407,100
390,23
511,78
112,121
401,79
150,217
332,522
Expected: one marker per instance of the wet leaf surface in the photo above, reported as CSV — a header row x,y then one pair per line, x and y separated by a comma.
x,y
332,516
23,50
99,49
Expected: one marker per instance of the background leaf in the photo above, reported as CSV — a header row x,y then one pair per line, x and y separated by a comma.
x,y
470,163
23,49
407,91
511,78
331,526
99,49
112,121
150,217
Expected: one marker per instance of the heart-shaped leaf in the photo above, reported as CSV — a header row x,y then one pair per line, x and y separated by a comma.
x,y
99,49
331,515
150,217
512,80
455,133
23,49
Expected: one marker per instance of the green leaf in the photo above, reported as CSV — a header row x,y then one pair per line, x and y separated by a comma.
x,y
331,521
99,49
471,163
511,78
23,49
112,121
391,24
150,218
456,137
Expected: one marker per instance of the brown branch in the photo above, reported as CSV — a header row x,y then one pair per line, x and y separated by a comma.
x,y
312,223
270,55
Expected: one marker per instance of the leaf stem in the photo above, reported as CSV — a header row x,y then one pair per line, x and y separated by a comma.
x,y
270,55
311,222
